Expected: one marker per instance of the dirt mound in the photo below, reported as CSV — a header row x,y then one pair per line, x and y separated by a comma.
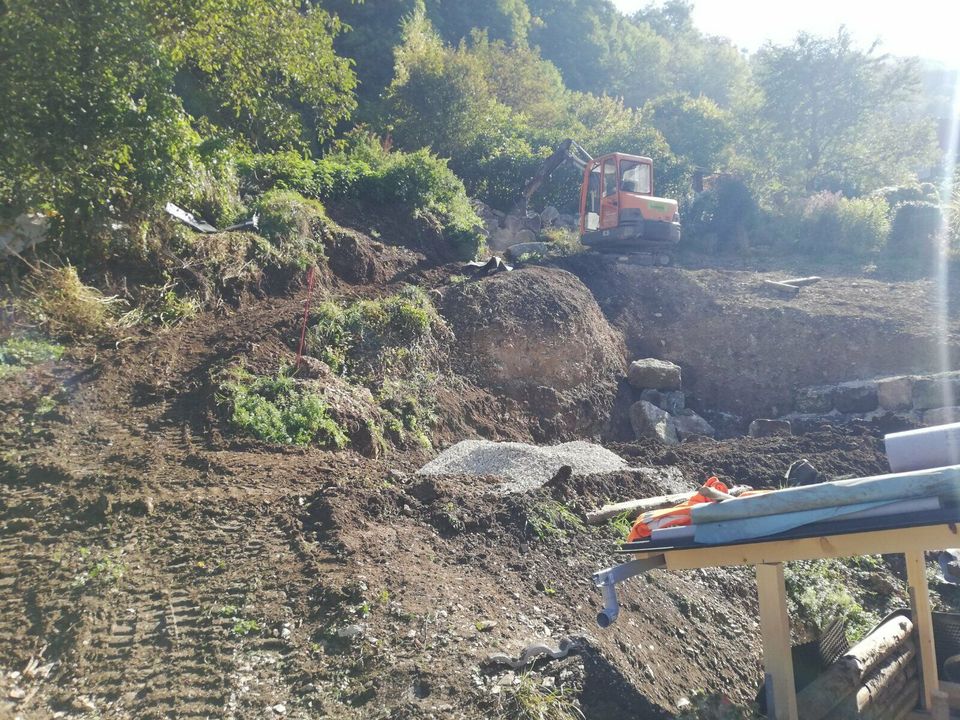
x,y
762,462
537,335
746,350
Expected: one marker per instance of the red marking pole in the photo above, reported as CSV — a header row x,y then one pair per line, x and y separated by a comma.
x,y
306,313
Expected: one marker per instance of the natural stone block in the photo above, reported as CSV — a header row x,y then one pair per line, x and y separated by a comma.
x,y
672,401
649,421
688,423
764,427
855,397
654,374
815,400
936,392
895,393
942,416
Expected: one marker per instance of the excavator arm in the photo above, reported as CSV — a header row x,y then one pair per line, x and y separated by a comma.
x,y
568,150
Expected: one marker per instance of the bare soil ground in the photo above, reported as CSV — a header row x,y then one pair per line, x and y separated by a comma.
x,y
154,566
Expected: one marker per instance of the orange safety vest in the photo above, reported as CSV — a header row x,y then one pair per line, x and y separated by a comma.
x,y
676,516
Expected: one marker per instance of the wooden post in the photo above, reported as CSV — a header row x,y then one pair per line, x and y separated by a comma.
x,y
775,632
920,603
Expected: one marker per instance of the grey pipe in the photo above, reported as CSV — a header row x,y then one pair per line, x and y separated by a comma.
x,y
924,448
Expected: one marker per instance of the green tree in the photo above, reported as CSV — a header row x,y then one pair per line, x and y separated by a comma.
x,y
695,128
825,104
439,97
266,68
90,126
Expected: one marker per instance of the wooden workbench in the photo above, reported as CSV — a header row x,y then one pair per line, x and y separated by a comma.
x,y
768,558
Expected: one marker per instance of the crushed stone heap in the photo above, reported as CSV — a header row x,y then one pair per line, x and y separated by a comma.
x,y
523,466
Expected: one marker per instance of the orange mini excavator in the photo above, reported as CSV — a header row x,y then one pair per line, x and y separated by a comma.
x,y
618,210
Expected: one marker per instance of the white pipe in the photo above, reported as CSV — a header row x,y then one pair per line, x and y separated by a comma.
x,y
924,448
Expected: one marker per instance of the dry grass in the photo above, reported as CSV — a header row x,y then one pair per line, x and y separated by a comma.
x,y
60,304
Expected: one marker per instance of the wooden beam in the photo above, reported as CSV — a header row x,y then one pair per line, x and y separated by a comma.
x,y
635,508
923,622
775,631
930,537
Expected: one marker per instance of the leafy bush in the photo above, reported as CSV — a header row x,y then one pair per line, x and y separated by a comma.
x,y
831,222
916,226
286,170
278,409
722,218
370,340
19,353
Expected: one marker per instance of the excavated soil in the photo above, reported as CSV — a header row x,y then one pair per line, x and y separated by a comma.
x,y
154,566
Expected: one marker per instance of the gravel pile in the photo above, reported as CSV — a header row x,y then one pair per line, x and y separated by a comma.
x,y
522,466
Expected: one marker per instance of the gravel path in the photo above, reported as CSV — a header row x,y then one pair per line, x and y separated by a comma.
x,y
522,466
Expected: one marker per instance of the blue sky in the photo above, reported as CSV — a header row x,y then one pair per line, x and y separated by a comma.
x,y
926,28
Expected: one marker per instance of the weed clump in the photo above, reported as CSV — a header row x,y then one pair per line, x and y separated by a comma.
x,y
278,409
528,699
16,354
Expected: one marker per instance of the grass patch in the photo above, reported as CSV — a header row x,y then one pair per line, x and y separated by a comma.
x,y
621,524
16,354
294,225
104,572
564,240
530,700
550,518
278,409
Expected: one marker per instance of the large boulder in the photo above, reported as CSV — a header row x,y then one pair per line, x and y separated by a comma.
x,y
650,422
766,427
689,424
673,401
537,335
654,374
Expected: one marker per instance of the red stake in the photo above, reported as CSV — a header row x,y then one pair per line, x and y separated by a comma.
x,y
306,313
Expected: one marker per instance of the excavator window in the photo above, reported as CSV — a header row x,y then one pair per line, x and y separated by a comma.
x,y
593,199
635,177
609,178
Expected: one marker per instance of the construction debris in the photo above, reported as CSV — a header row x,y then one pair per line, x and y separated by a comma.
x,y
189,219
538,651
634,508
792,286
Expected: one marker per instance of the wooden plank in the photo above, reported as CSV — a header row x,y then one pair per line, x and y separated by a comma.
x,y
803,281
775,631
634,508
920,604
781,287
898,540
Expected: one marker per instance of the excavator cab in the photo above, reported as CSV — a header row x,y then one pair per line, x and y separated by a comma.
x,y
618,210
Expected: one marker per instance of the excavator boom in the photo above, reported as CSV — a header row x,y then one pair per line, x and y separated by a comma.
x,y
568,150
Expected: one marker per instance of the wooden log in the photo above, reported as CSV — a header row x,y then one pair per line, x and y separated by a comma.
x,y
782,287
889,677
840,682
635,508
822,697
802,281
866,655
898,707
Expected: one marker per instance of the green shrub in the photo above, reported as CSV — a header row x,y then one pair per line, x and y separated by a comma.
x,y
213,192
369,340
294,225
278,409
916,226
831,222
287,170
817,592
408,404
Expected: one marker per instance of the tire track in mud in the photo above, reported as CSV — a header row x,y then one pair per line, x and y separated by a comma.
x,y
182,613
